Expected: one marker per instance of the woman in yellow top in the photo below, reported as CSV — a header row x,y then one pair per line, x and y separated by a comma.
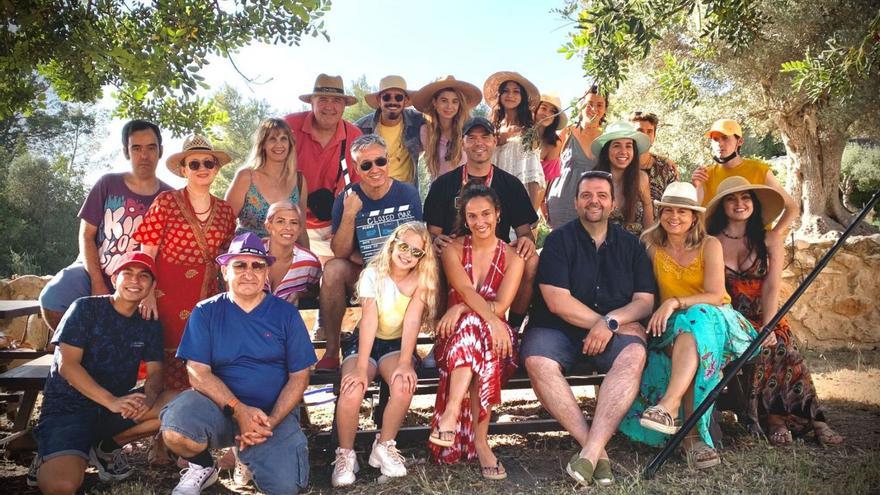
x,y
397,291
695,332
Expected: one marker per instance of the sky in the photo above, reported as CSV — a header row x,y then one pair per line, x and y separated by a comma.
x,y
419,40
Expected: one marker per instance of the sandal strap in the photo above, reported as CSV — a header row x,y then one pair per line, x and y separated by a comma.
x,y
662,414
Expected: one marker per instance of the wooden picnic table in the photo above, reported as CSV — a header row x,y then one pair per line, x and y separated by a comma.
x,y
13,309
28,378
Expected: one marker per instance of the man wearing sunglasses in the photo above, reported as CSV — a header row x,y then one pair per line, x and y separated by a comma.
x,y
113,210
363,216
398,125
248,355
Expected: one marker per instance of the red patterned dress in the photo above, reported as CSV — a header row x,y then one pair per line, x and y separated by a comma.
x,y
186,270
471,346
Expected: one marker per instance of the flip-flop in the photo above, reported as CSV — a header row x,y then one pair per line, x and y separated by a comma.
x,y
496,472
436,438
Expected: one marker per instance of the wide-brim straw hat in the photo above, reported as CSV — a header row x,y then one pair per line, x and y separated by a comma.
x,y
680,195
620,130
772,202
387,82
329,86
195,143
422,98
494,82
553,99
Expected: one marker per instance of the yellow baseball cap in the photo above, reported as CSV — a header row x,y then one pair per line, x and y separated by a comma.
x,y
727,127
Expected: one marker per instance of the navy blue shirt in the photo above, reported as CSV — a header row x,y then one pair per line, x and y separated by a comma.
x,y
603,279
113,347
252,353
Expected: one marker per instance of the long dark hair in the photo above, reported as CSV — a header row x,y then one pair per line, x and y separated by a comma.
x,y
523,114
755,234
475,188
548,135
630,179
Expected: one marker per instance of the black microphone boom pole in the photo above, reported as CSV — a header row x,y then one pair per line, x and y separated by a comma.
x,y
735,366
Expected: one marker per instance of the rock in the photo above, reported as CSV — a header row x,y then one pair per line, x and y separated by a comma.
x,y
850,306
26,287
37,334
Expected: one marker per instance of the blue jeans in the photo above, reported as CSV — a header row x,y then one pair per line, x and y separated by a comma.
x,y
280,465
381,348
68,285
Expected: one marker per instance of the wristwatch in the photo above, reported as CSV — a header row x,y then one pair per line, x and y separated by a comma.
x,y
229,408
611,323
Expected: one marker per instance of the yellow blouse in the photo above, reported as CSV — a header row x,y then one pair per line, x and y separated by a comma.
x,y
390,302
675,280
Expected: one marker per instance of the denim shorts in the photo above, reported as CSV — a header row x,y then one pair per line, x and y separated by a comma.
x,y
68,285
381,348
75,433
566,347
280,465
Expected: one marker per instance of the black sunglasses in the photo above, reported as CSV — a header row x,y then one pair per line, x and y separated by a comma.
x,y
195,164
404,247
256,266
398,97
367,165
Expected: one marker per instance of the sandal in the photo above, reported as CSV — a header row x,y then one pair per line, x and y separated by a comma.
x,y
443,438
699,455
657,418
496,472
826,436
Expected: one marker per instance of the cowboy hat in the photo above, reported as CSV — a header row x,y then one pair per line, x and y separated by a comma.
x,y
772,202
386,83
620,130
680,195
328,86
195,143
553,99
247,244
494,82
421,99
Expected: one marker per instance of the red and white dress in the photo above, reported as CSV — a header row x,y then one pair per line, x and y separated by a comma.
x,y
471,346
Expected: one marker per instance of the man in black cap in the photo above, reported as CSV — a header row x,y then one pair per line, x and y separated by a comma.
x,y
441,206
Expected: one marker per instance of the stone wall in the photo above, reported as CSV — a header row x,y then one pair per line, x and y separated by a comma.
x,y
839,309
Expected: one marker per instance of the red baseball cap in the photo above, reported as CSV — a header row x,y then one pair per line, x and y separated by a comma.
x,y
135,258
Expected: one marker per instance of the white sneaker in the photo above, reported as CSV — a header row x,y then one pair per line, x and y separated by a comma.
x,y
194,479
241,475
387,458
345,468
111,466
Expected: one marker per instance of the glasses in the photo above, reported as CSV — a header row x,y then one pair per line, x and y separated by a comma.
x,y
379,162
596,174
196,164
397,97
242,266
406,248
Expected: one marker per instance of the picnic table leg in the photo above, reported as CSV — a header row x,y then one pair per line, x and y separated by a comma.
x,y
25,408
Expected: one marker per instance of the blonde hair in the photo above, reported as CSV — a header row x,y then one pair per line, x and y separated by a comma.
x,y
279,206
656,235
453,147
427,266
257,156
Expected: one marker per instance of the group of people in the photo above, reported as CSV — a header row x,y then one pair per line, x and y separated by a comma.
x,y
198,296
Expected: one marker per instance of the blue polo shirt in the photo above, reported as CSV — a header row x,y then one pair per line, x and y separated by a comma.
x,y
252,353
604,279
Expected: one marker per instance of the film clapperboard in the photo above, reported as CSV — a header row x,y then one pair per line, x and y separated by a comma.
x,y
373,227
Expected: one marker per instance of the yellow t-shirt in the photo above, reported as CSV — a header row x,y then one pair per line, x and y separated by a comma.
x,y
400,164
675,280
390,302
754,171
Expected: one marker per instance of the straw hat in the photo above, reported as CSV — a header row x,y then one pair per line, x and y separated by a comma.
x,y
553,99
680,195
328,86
421,99
620,130
387,82
195,143
494,82
772,202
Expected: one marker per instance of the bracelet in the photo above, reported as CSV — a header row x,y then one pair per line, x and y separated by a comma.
x,y
680,304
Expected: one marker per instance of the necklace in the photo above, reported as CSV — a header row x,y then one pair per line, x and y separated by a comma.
x,y
733,237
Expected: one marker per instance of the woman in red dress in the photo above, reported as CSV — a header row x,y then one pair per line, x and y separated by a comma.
x,y
475,348
184,231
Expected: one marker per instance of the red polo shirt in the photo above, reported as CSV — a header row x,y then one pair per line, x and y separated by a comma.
x,y
319,164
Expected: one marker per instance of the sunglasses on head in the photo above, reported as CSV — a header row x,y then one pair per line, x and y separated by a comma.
x,y
406,248
379,162
241,266
196,164
397,97
599,174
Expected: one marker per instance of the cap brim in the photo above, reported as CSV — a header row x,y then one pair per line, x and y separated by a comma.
x,y
125,265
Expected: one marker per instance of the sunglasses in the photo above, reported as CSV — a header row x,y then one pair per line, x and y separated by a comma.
x,y
195,164
406,248
379,162
242,266
398,97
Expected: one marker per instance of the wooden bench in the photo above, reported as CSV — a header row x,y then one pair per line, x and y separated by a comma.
x,y
28,378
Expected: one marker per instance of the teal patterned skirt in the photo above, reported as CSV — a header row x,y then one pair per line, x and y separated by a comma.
x,y
721,334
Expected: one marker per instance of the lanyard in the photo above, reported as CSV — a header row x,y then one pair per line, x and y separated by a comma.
x,y
465,177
